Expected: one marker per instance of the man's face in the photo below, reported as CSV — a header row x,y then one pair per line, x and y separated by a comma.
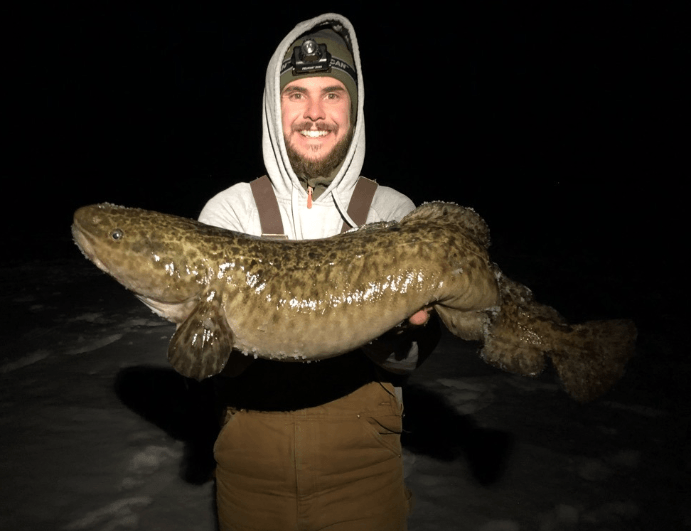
x,y
315,113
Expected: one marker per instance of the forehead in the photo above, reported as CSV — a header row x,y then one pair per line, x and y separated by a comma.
x,y
315,83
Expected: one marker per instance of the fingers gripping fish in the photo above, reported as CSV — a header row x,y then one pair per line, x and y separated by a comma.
x,y
315,299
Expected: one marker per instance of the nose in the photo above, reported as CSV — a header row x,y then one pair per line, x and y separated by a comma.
x,y
315,110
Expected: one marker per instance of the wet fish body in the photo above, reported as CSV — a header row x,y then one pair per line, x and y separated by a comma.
x,y
315,299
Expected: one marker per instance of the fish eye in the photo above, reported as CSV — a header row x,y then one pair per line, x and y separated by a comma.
x,y
117,234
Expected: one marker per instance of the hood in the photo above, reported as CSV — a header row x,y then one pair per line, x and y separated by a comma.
x,y
276,161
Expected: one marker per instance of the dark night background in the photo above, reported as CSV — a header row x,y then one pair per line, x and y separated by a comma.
x,y
557,122
561,123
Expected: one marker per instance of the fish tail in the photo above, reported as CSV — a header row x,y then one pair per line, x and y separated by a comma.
x,y
505,349
589,357
593,356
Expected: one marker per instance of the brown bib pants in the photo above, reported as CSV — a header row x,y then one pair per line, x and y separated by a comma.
x,y
335,467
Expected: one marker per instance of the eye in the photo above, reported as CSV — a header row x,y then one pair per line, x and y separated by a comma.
x,y
117,234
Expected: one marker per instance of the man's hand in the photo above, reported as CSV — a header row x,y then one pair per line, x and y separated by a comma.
x,y
421,317
410,343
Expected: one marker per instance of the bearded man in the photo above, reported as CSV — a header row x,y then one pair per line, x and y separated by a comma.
x,y
315,446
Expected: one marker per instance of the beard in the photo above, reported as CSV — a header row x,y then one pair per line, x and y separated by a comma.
x,y
320,168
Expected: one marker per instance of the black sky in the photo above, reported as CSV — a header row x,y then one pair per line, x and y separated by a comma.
x,y
550,118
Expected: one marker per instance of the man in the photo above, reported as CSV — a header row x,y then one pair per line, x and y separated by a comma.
x,y
314,446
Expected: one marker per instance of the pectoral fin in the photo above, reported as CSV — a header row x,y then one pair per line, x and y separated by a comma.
x,y
202,344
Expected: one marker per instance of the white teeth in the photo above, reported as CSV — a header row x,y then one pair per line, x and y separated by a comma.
x,y
313,134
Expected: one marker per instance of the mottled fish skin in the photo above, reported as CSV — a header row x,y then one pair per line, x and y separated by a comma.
x,y
314,299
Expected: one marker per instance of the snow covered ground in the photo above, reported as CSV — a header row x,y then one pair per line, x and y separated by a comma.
x,y
98,433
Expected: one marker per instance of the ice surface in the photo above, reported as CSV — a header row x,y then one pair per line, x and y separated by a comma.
x,y
98,433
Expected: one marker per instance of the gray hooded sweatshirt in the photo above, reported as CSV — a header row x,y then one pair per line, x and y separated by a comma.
x,y
235,208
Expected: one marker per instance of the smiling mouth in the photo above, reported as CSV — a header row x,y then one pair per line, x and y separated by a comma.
x,y
308,133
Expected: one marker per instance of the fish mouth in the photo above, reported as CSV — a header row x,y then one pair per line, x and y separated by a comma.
x,y
85,246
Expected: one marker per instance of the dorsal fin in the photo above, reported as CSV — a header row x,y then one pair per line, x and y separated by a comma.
x,y
465,218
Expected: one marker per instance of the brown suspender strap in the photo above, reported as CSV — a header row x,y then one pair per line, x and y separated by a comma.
x,y
267,205
270,215
360,202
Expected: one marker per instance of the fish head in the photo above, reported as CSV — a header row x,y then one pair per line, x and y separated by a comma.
x,y
152,254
